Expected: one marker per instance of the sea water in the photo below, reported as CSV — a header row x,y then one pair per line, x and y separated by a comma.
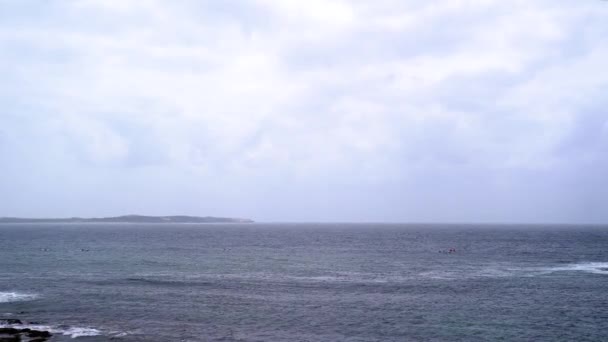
x,y
306,282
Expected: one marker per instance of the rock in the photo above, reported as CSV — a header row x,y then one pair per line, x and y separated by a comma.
x,y
38,333
15,335
10,321
9,331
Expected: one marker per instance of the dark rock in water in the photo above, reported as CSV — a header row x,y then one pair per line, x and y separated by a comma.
x,y
10,321
9,331
15,335
38,333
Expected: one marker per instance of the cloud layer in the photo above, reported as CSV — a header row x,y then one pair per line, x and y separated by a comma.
x,y
448,110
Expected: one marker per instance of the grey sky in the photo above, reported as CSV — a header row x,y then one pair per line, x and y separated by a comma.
x,y
448,110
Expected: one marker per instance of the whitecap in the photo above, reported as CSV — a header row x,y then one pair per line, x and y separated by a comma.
x,y
498,270
79,332
589,267
7,297
73,332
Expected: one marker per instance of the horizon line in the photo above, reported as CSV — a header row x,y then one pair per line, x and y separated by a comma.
x,y
314,222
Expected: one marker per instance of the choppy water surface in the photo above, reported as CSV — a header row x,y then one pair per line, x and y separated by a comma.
x,y
306,282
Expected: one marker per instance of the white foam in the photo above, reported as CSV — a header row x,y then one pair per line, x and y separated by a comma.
x,y
7,297
79,332
589,267
73,332
506,270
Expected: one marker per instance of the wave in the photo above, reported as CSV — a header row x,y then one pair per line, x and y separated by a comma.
x,y
497,270
166,282
589,267
59,330
76,331
505,270
7,297
211,280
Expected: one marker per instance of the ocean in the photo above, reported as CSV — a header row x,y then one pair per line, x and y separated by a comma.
x,y
306,282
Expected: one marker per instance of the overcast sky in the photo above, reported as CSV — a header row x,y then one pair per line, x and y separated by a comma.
x,y
433,111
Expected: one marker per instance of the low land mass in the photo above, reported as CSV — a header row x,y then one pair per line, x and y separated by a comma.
x,y
129,219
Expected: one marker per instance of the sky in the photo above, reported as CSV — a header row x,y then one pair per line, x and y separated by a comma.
x,y
338,111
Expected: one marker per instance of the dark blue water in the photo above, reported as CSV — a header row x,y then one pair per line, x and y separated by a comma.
x,y
309,282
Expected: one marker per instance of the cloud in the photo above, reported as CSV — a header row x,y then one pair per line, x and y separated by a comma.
x,y
262,95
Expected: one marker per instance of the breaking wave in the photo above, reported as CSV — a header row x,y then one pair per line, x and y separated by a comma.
x,y
589,267
7,297
498,270
502,270
59,330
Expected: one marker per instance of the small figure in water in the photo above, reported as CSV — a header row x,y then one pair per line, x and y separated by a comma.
x,y
448,251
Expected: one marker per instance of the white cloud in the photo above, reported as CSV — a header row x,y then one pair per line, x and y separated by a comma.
x,y
345,91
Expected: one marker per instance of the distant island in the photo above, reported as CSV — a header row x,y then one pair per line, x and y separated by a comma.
x,y
129,219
